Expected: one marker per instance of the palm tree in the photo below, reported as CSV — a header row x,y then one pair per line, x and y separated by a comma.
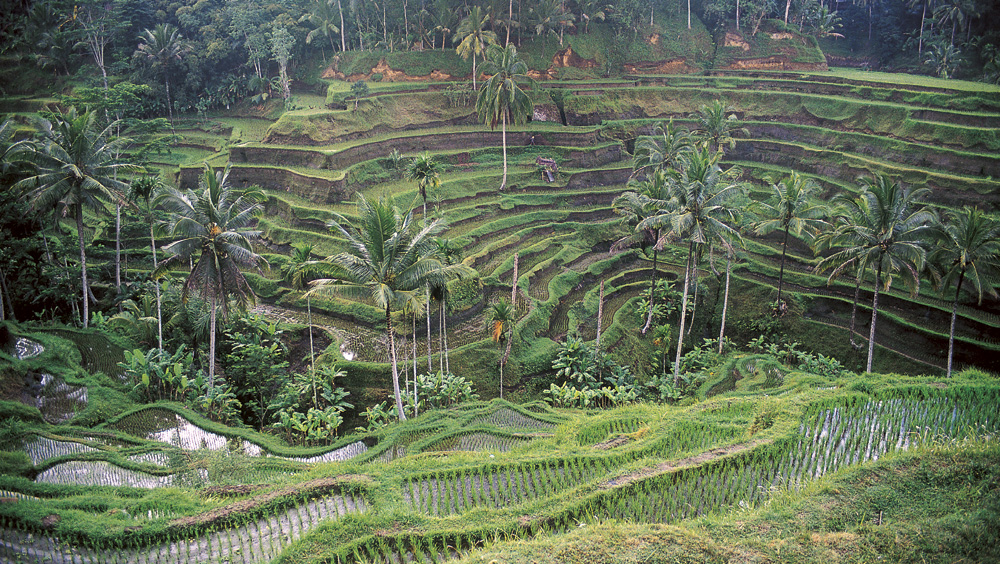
x,y
634,207
323,19
444,20
146,187
427,172
661,150
473,38
385,259
792,209
501,328
163,44
78,166
967,248
717,127
888,232
299,269
501,99
699,209
214,223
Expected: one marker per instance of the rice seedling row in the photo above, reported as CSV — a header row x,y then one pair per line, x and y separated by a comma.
x,y
41,448
252,542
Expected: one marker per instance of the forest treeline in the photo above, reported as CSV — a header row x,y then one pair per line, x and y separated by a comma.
x,y
210,54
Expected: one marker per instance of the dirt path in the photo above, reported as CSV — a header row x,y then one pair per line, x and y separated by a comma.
x,y
674,465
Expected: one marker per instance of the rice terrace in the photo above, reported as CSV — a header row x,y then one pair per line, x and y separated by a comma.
x,y
545,281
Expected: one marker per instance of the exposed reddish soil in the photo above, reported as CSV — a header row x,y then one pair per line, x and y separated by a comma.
x,y
674,465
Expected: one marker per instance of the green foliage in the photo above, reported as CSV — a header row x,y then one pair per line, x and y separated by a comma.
x,y
441,390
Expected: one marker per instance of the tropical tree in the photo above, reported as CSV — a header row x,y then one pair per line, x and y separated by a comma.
x,y
324,21
661,150
214,222
427,172
444,20
78,165
888,232
792,209
298,271
163,45
634,207
147,188
473,38
967,251
385,259
501,328
549,16
717,123
699,209
501,99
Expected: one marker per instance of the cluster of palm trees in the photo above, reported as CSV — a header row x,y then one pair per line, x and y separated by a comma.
x,y
679,192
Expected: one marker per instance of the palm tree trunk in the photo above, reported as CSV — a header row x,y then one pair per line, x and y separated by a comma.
x,y
83,266
343,40
684,299
430,364
954,314
854,306
600,314
474,70
415,410
920,41
689,27
118,250
170,108
159,310
871,333
652,290
503,130
211,349
312,353
788,5
501,377
395,368
441,335
737,15
510,19
725,305
444,325
3,293
781,271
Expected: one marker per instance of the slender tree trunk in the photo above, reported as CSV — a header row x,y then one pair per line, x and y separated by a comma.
x,y
781,271
920,40
725,305
788,5
684,298
156,283
854,306
170,106
83,266
343,31
444,325
510,22
395,369
503,129
4,298
211,348
689,26
441,335
416,411
312,353
118,251
430,364
501,377
954,315
406,22
600,315
737,15
652,290
871,333
870,6
474,70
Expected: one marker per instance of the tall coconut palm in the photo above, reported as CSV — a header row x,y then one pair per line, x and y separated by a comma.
x,y
214,222
386,258
699,209
146,188
473,38
888,231
299,270
78,166
501,328
661,150
717,123
501,99
323,19
792,209
967,251
634,207
427,172
163,45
